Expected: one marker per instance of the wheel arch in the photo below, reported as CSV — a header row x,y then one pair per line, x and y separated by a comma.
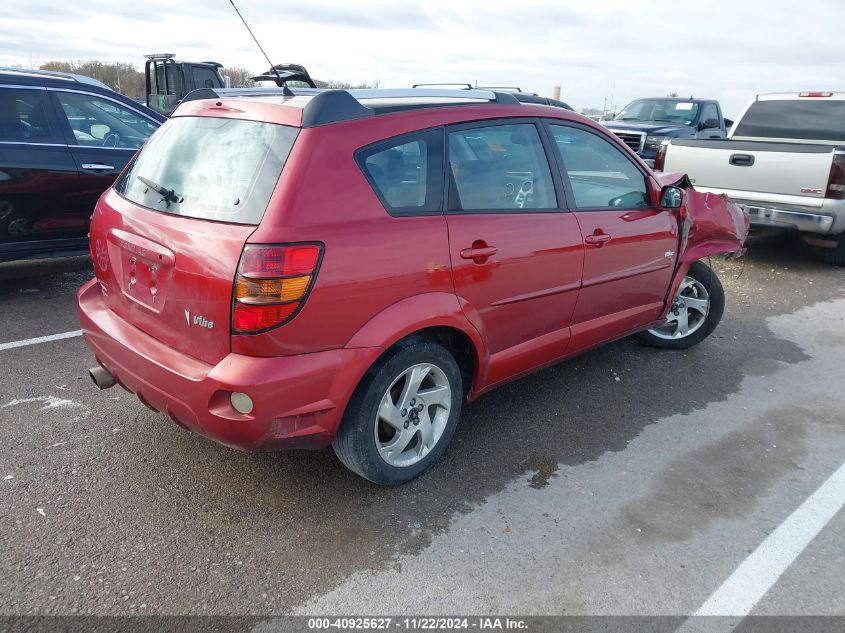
x,y
435,316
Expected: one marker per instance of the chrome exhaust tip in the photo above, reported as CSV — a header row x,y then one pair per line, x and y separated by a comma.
x,y
101,377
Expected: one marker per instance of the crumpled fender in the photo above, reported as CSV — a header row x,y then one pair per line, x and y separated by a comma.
x,y
708,224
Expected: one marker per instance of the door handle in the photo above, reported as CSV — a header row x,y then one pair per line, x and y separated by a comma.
x,y
479,253
597,239
97,167
742,160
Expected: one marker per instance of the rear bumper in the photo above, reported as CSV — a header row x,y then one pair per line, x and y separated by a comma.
x,y
792,219
298,400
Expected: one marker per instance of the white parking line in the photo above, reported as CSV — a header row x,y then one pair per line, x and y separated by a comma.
x,y
760,571
39,339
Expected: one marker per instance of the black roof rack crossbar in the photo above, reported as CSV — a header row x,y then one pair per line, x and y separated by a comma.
x,y
333,106
462,85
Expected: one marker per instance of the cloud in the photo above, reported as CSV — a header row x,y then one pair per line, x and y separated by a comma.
x,y
613,49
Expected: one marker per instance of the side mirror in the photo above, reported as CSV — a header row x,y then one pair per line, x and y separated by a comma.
x,y
710,124
671,197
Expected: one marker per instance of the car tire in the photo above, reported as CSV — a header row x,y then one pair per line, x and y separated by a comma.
x,y
835,256
699,278
373,422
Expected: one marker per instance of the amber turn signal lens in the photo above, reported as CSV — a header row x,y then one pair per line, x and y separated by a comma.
x,y
261,291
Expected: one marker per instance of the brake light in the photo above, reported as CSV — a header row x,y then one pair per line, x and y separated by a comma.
x,y
271,284
660,159
815,94
836,182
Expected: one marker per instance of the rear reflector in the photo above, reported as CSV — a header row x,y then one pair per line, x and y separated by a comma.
x,y
272,284
815,94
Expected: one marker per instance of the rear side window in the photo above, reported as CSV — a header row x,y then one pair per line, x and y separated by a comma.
x,y
812,119
406,172
209,168
23,116
600,174
499,168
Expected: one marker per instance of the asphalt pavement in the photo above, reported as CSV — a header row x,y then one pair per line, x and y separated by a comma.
x,y
627,481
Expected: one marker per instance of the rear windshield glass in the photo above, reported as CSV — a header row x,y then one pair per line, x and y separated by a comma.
x,y
209,168
812,119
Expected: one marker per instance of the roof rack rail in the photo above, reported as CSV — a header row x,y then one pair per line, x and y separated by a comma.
x,y
333,106
506,89
462,85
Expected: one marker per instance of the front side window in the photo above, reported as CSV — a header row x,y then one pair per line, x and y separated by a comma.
x,y
501,167
709,113
600,174
22,117
406,172
97,122
209,168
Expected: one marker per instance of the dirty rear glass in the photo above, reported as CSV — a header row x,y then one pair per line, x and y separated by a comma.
x,y
209,168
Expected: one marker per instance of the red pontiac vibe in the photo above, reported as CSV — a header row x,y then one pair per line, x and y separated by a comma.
x,y
345,268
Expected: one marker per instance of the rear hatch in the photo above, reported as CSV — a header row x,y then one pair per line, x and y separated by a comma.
x,y
168,238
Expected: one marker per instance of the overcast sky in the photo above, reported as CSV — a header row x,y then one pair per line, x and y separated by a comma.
x,y
595,49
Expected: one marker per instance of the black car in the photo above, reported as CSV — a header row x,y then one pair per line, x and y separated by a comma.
x,y
63,140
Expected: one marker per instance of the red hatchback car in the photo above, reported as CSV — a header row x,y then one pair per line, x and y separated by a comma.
x,y
347,267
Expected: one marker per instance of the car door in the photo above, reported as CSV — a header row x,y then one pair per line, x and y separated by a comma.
x,y
630,245
516,252
103,134
36,173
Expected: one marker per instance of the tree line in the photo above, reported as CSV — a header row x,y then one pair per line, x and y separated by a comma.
x,y
126,79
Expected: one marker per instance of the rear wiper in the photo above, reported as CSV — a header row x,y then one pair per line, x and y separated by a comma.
x,y
167,195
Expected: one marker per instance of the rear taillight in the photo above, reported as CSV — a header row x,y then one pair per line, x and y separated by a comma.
x,y
272,283
660,159
836,182
815,94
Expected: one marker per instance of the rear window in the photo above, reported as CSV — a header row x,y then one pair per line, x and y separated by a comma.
x,y
406,172
812,119
209,168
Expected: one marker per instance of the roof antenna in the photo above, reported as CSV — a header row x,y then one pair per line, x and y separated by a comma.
x,y
286,91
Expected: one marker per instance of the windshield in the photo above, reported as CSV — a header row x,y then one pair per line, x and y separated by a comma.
x,y
805,119
209,168
662,110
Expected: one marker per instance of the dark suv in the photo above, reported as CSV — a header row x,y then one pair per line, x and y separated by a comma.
x,y
63,140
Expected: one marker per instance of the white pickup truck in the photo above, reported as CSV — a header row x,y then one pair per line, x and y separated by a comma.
x,y
783,160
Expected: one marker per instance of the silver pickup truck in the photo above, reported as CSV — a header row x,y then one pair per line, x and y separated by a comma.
x,y
783,160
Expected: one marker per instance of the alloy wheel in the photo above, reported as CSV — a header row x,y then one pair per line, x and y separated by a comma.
x,y
688,312
412,415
